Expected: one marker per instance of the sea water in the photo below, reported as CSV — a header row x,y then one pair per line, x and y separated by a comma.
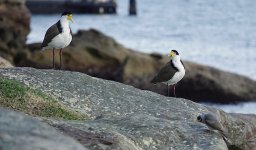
x,y
218,33
244,108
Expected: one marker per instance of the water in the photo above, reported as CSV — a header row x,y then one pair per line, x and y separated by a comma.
x,y
215,32
245,108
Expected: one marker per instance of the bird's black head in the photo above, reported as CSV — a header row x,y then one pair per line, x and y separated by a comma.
x,y
66,13
176,52
199,118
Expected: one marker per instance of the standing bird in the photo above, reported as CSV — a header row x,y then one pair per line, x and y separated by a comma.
x,y
172,72
59,35
212,123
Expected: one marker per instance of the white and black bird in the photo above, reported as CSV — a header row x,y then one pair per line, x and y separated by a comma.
x,y
212,123
172,72
59,35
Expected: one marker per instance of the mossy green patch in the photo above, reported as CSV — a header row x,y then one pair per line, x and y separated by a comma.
x,y
11,89
20,97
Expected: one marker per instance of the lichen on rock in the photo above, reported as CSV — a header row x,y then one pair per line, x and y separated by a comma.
x,y
19,97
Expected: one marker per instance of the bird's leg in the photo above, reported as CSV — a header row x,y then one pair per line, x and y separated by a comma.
x,y
168,90
60,57
174,90
53,59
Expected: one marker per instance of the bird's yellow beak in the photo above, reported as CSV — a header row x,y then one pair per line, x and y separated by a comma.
x,y
70,18
172,54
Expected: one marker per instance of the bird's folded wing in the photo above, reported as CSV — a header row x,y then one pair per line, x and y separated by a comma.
x,y
50,34
165,74
214,123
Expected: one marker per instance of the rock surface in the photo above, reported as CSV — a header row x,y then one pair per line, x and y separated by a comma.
x,y
101,56
14,27
21,132
4,63
123,117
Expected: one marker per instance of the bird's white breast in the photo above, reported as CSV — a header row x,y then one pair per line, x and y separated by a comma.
x,y
179,74
61,41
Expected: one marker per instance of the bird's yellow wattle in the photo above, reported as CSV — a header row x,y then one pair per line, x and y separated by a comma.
x,y
70,18
172,54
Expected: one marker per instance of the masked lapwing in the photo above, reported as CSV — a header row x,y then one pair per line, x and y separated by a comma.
x,y
172,72
59,35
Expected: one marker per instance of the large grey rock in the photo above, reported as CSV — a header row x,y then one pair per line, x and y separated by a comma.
x,y
123,117
141,131
21,132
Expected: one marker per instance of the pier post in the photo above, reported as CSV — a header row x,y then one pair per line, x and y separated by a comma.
x,y
132,7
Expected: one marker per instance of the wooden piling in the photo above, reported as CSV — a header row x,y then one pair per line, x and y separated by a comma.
x,y
75,6
132,7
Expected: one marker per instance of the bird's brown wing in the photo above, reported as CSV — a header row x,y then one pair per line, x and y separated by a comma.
x,y
165,74
53,31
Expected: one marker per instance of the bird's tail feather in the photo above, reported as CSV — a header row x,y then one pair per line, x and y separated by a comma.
x,y
43,48
224,133
225,137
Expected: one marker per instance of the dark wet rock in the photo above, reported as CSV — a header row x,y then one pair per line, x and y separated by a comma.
x,y
21,132
213,84
207,84
96,54
123,117
14,27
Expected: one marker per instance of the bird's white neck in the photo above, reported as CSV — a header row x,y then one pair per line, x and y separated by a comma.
x,y
177,63
64,24
176,58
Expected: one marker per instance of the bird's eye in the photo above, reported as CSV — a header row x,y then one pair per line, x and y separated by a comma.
x,y
199,118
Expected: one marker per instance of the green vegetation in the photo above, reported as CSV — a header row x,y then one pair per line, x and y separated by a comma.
x,y
19,97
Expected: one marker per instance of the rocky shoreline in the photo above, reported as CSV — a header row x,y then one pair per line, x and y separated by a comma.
x,y
69,110
99,55
117,116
